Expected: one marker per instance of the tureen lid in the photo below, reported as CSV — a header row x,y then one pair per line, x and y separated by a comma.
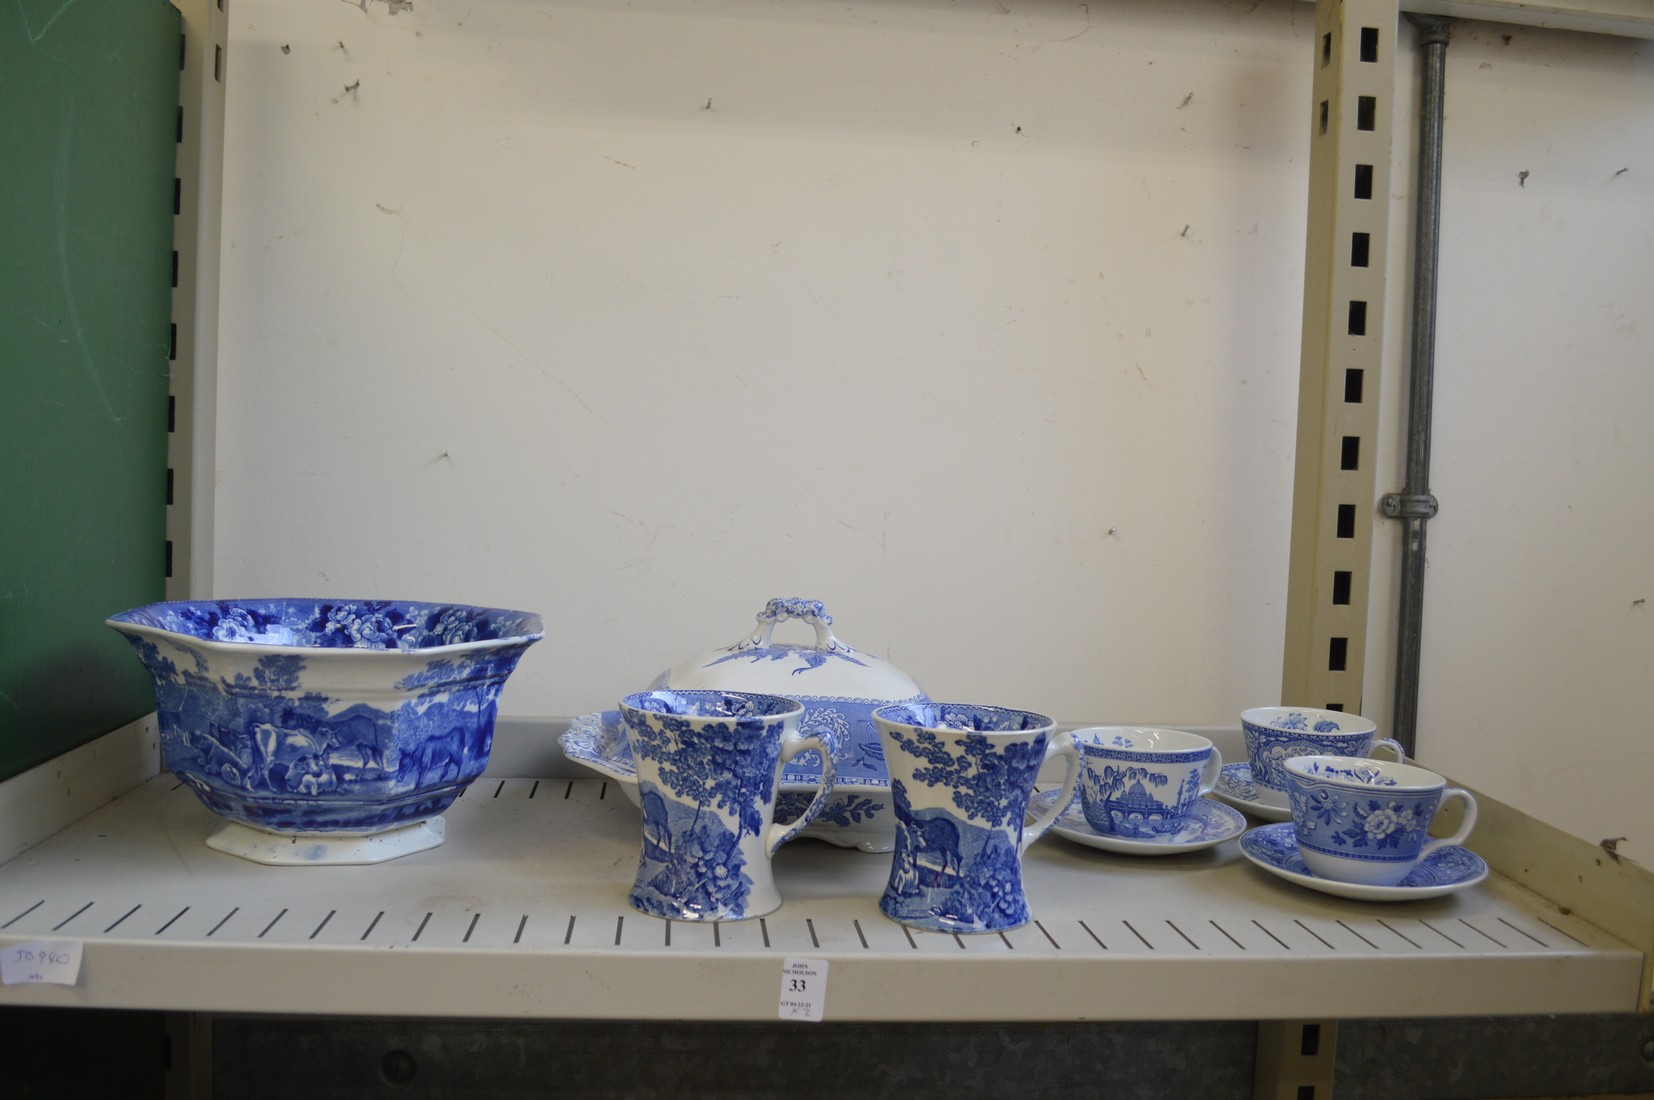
x,y
825,668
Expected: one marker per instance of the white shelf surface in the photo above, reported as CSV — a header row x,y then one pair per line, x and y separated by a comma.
x,y
523,913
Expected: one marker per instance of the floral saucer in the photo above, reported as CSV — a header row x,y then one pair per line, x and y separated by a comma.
x,y
1235,787
1213,824
1449,868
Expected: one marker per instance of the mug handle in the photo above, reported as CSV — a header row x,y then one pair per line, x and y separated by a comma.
x,y
792,743
1214,768
1060,745
1465,826
1392,745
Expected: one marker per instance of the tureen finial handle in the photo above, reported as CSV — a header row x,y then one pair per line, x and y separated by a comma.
x,y
781,609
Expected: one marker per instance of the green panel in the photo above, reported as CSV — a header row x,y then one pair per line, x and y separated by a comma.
x,y
88,125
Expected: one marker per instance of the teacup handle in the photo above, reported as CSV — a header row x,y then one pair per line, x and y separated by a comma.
x,y
1214,767
1061,744
793,743
1391,745
1463,832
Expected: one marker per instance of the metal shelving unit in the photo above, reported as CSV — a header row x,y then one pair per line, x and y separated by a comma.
x,y
523,913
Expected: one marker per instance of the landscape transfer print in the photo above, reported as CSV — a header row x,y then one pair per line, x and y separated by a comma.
x,y
714,784
957,865
266,744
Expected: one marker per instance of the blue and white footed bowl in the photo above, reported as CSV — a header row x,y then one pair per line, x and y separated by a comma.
x,y
326,716
840,688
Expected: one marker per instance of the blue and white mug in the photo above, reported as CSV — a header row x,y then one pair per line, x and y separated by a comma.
x,y
708,767
961,777
1368,821
1275,735
1143,783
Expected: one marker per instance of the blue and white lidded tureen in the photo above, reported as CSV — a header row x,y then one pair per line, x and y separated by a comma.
x,y
839,686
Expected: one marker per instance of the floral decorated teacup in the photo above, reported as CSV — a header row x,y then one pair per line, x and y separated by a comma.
x,y
708,768
1275,735
1368,821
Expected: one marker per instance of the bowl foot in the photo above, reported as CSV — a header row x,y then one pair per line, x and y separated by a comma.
x,y
325,849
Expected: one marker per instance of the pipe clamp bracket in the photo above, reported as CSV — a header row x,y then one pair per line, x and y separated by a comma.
x,y
1408,505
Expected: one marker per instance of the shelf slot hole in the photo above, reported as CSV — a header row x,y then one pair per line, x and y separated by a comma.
x,y
1349,453
1363,181
1398,931
1185,936
1325,114
1442,934
1358,318
71,916
1326,49
1309,1040
23,914
1480,933
1226,934
1341,587
1519,932
1346,521
1361,249
1282,943
1345,926
1560,932
1366,113
122,917
1338,654
1369,44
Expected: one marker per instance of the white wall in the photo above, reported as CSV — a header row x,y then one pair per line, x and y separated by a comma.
x,y
978,321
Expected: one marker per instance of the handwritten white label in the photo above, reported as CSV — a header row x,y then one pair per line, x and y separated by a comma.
x,y
803,989
41,962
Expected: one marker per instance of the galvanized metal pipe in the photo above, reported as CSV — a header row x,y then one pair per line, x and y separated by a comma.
x,y
1415,505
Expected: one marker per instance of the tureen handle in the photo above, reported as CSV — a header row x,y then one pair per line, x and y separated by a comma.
x,y
809,611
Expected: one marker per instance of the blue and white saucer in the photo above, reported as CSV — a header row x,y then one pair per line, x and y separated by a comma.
x,y
1448,868
1212,823
1235,787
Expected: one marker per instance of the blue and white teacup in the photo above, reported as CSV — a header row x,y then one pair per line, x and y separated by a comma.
x,y
1275,735
708,768
1368,821
1143,783
961,777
